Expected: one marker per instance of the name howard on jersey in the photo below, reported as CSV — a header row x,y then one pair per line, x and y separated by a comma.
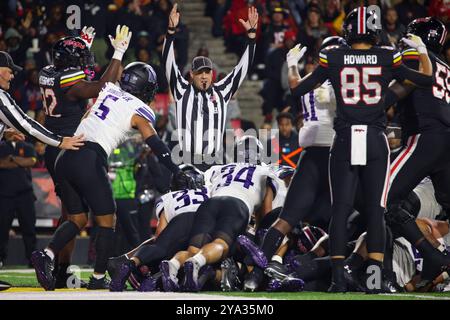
x,y
360,59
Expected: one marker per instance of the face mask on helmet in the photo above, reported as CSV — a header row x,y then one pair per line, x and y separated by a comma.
x,y
139,79
308,238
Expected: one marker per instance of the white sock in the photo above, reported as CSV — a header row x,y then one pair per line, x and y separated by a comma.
x,y
174,266
199,259
98,276
50,253
277,258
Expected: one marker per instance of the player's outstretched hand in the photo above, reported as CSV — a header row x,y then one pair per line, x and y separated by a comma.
x,y
295,54
72,143
252,22
88,35
415,42
174,17
121,42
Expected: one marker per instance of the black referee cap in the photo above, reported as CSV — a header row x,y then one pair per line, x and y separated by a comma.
x,y
7,61
201,62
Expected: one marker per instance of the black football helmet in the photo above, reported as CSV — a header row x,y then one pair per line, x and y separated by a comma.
x,y
139,79
308,238
248,149
431,30
333,41
72,52
192,172
356,28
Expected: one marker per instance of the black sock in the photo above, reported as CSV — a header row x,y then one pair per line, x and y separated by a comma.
x,y
337,270
354,261
104,244
272,242
63,235
314,269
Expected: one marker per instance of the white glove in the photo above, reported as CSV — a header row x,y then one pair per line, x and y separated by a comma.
x,y
323,95
121,42
88,35
415,42
294,55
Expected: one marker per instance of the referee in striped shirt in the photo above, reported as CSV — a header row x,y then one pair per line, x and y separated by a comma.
x,y
201,106
12,116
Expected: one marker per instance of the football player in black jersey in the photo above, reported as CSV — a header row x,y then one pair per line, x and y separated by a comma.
x,y
65,87
425,115
360,75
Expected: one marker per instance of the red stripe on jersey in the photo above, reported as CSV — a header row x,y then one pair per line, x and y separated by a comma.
x,y
68,84
323,64
411,57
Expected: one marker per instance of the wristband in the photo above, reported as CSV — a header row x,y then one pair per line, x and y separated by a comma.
x,y
118,55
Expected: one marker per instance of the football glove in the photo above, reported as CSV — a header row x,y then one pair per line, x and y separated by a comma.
x,y
88,35
295,54
415,42
121,42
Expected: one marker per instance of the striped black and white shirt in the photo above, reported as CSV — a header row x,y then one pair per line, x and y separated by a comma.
x,y
201,115
12,116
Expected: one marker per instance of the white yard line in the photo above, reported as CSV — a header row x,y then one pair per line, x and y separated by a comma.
x,y
430,297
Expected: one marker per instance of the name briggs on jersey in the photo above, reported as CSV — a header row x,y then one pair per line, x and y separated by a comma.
x,y
45,81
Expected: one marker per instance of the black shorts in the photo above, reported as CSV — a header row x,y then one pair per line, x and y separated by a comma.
x,y
50,155
84,182
219,217
308,183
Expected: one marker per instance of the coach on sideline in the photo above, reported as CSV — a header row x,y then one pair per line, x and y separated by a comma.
x,y
201,105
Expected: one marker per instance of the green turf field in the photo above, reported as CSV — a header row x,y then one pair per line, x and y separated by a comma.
x,y
24,279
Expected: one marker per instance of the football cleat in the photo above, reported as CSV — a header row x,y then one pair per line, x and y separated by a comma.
x,y
118,283
205,274
351,278
253,280
276,270
148,284
253,251
288,284
98,284
190,283
63,277
230,280
43,266
114,264
169,280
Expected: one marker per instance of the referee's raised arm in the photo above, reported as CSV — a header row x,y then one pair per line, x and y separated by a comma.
x,y
229,85
177,83
201,106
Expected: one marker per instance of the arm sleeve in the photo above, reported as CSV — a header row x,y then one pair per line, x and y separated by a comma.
x,y
402,73
14,117
177,83
230,84
308,83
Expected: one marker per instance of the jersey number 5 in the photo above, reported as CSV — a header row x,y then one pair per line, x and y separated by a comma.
x,y
352,79
441,89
